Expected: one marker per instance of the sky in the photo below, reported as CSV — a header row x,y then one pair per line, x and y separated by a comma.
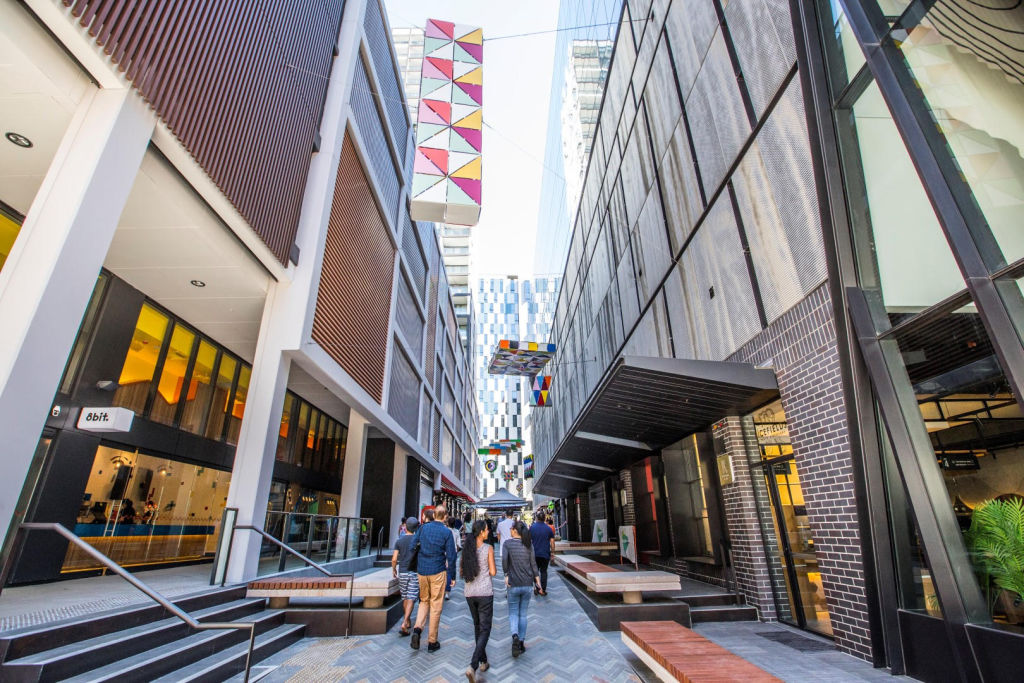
x,y
517,85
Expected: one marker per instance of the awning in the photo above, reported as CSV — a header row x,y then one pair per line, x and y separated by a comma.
x,y
452,490
501,500
645,404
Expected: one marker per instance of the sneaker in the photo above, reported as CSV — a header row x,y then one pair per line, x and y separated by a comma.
x,y
484,665
433,647
522,645
447,596
470,674
415,642
517,646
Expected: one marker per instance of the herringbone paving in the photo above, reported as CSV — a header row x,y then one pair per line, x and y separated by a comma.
x,y
562,645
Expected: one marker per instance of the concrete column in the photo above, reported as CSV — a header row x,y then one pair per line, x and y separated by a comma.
x,y
355,463
398,492
253,469
51,272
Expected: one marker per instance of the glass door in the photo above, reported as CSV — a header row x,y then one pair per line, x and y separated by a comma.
x,y
805,595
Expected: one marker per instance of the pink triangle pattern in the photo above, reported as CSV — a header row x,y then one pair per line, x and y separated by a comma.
x,y
472,136
470,187
476,92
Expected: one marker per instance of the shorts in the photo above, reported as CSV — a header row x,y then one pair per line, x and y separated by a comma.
x,y
409,585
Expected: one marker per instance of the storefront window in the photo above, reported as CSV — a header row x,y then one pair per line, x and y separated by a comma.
x,y
238,405
221,397
172,376
977,432
899,219
299,444
789,539
282,435
966,59
200,388
140,363
141,510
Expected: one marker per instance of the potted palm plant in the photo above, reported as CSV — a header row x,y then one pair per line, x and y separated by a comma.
x,y
996,541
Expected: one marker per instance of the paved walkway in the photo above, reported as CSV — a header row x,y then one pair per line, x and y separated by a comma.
x,y
563,646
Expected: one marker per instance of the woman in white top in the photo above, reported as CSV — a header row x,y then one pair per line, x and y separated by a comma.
x,y
477,568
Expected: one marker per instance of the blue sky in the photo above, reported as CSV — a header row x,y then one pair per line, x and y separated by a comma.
x,y
517,84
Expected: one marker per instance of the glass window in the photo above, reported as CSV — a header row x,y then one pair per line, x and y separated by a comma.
x,y
845,53
200,388
238,405
85,331
899,219
686,480
140,362
309,445
282,435
299,442
221,397
967,62
9,229
172,375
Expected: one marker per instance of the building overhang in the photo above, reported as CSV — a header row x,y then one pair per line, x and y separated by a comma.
x,y
644,404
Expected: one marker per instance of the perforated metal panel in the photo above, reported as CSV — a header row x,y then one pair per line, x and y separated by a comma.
x,y
379,41
414,256
679,189
763,58
404,392
778,204
408,317
371,129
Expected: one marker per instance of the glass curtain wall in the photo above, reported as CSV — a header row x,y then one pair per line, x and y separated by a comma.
x,y
939,262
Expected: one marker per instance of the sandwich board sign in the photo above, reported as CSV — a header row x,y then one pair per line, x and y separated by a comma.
x,y
600,530
627,543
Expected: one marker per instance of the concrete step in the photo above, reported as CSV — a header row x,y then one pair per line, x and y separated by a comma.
x,y
35,639
71,658
384,562
709,599
722,613
229,664
165,659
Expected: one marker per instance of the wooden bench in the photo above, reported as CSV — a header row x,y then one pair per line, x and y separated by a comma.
x,y
372,588
675,653
579,546
600,578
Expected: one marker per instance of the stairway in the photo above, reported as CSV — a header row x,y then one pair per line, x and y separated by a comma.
x,y
718,607
143,643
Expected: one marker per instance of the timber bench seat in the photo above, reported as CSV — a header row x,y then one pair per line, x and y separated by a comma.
x,y
373,587
675,653
578,546
600,578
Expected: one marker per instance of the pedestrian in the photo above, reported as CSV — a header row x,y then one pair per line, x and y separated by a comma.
x,y
505,531
492,538
542,538
477,568
408,581
458,547
435,565
520,568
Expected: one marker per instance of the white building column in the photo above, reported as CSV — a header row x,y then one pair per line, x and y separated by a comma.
x,y
355,465
51,272
398,492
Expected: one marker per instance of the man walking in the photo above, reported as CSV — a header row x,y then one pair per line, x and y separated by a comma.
x,y
543,540
408,581
436,569
505,531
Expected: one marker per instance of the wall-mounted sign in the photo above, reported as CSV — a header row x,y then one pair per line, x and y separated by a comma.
x,y
959,461
106,419
724,469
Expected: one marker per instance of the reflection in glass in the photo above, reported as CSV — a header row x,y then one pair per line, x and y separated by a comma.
x,y
238,405
221,396
200,388
846,48
282,435
968,60
172,375
142,510
140,362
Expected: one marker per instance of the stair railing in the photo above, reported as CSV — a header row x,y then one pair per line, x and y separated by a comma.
x,y
380,543
220,566
150,592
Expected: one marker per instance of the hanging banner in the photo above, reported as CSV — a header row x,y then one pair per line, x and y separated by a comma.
x,y
627,543
600,531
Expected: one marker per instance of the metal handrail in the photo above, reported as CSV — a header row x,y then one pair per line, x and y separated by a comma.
x,y
380,542
151,593
320,568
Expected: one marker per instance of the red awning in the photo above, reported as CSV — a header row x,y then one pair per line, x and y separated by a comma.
x,y
450,489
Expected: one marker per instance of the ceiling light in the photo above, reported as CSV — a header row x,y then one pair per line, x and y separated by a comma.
x,y
18,139
198,283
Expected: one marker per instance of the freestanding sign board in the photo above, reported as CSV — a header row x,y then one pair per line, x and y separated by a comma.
x,y
600,530
627,543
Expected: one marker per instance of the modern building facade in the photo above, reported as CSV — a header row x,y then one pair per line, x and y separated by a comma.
x,y
788,334
205,307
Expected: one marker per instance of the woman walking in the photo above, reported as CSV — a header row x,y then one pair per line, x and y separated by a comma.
x,y
521,575
477,568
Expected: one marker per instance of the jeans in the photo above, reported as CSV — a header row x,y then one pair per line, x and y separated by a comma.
x,y
542,566
518,601
482,609
431,602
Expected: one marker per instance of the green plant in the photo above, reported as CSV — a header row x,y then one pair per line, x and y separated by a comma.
x,y
996,541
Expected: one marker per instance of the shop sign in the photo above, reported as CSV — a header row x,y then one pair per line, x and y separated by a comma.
x,y
106,419
960,461
724,469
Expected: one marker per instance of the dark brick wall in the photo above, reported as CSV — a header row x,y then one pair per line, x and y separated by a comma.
x,y
801,346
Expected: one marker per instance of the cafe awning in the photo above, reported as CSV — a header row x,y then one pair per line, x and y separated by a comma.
x,y
645,404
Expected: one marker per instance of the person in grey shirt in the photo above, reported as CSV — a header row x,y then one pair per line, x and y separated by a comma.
x,y
408,582
521,575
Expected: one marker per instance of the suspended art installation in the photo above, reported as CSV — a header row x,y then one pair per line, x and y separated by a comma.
x,y
491,465
540,391
446,177
520,358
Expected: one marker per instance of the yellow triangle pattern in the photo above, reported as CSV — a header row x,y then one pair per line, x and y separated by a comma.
x,y
474,120
474,77
475,37
470,170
